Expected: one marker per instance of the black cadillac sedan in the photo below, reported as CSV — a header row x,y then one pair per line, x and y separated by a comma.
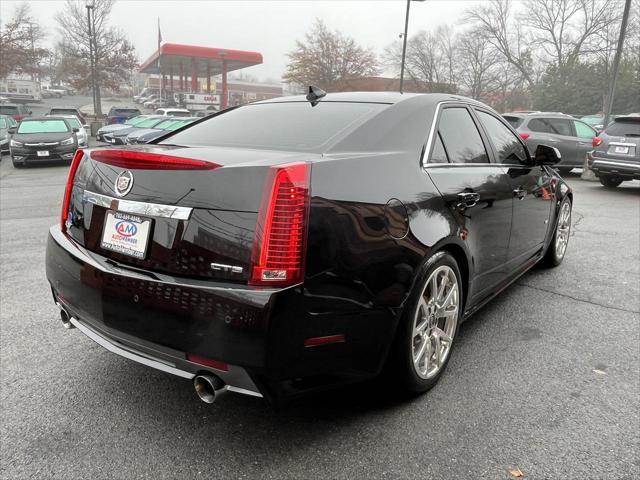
x,y
300,243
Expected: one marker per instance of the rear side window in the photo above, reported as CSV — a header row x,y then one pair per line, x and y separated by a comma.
x,y
460,137
439,154
624,128
286,126
515,122
508,147
558,126
583,130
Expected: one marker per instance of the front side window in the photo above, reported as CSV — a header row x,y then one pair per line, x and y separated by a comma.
x,y
43,126
508,147
460,137
584,131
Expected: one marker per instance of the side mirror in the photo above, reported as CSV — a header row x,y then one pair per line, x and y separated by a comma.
x,y
12,130
76,130
546,155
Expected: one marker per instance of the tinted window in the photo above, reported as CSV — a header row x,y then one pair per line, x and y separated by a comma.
x,y
8,109
509,148
460,137
584,131
63,111
558,126
289,126
439,154
43,126
515,122
624,128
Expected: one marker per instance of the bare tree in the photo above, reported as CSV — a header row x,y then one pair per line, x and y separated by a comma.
x,y
115,57
325,57
498,27
20,45
479,65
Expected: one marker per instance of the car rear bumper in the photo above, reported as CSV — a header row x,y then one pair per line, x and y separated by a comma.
x,y
625,169
259,334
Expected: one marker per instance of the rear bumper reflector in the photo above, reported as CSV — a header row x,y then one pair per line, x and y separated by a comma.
x,y
317,341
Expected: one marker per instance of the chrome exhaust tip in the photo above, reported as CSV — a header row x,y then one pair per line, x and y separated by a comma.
x,y
66,319
208,387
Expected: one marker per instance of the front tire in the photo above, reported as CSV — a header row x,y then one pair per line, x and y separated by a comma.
x,y
610,182
558,246
429,325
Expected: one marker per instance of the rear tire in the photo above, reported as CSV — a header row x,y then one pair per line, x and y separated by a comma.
x,y
610,182
560,240
428,326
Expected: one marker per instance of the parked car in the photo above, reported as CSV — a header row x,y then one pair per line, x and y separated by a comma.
x,y
38,139
173,112
16,111
121,114
573,138
150,99
119,137
82,134
132,122
68,111
280,247
204,113
616,154
169,125
6,122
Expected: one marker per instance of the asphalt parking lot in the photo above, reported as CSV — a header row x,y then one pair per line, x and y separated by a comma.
x,y
545,379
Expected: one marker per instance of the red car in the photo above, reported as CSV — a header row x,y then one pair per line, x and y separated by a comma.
x,y
17,112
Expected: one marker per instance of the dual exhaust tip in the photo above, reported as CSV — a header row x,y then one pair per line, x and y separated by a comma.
x,y
208,387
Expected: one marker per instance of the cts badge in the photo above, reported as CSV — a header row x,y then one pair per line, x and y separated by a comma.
x,y
124,183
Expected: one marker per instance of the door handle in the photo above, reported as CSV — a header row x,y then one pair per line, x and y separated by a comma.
x,y
467,200
519,193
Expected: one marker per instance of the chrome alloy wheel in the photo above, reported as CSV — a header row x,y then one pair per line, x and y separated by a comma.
x,y
563,230
435,321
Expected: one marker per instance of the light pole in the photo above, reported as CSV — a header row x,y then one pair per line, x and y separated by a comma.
x,y
96,99
404,42
616,63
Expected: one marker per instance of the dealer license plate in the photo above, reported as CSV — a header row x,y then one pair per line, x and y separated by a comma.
x,y
126,234
43,153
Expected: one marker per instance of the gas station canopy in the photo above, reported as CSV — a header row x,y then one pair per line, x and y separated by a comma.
x,y
205,61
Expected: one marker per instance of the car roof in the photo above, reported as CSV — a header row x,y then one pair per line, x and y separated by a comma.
x,y
63,108
44,117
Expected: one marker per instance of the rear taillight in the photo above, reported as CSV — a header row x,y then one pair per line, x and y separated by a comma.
x,y
596,142
280,239
66,200
524,135
150,161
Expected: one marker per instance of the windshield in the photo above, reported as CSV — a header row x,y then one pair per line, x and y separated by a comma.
x,y
624,128
135,120
3,123
164,124
178,124
149,122
43,126
125,111
279,126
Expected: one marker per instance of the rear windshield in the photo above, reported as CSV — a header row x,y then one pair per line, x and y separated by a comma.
x,y
10,109
515,122
624,128
278,126
177,113
125,111
64,111
43,126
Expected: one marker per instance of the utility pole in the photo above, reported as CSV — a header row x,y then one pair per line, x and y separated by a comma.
x,y
616,63
404,43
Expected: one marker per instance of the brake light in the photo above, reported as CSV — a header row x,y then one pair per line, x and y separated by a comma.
x,y
524,135
66,200
596,142
280,239
150,161
217,364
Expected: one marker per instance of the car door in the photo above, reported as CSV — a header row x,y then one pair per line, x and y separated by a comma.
x,y
530,186
584,139
556,132
476,191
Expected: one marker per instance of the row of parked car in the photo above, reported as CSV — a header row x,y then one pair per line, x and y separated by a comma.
x,y
141,129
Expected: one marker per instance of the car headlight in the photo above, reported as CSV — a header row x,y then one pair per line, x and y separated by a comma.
x,y
68,141
15,143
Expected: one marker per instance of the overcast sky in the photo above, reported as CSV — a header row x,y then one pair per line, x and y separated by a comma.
x,y
269,27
